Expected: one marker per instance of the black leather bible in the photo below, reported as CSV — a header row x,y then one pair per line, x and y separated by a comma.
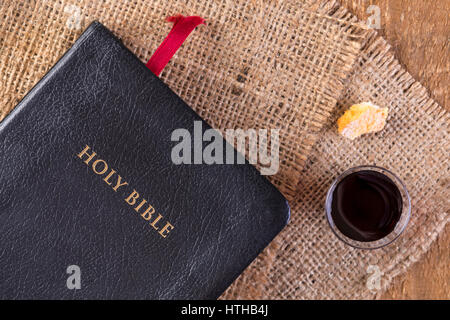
x,y
92,205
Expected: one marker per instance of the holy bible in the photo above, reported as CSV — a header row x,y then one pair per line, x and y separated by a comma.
x,y
92,205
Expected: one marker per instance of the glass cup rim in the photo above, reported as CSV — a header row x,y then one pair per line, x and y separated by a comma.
x,y
401,224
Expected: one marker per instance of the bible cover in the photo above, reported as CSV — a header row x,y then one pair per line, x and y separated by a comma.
x,y
91,204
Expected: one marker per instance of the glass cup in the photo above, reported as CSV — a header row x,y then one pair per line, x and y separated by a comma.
x,y
400,225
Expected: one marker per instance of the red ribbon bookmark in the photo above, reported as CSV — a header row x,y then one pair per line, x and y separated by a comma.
x,y
182,27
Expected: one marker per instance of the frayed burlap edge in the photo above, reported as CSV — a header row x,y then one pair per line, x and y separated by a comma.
x,y
377,49
381,54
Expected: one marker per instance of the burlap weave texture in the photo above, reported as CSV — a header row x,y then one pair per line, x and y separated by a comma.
x,y
281,65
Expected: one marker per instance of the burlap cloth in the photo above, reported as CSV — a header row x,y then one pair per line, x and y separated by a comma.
x,y
282,65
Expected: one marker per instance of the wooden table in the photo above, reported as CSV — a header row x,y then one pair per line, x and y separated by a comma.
x,y
419,32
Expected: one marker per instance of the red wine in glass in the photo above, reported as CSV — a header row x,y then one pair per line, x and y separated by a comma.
x,y
366,205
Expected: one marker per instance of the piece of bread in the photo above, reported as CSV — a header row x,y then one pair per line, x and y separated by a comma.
x,y
362,118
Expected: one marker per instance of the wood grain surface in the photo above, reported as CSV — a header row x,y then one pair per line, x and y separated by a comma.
x,y
419,33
